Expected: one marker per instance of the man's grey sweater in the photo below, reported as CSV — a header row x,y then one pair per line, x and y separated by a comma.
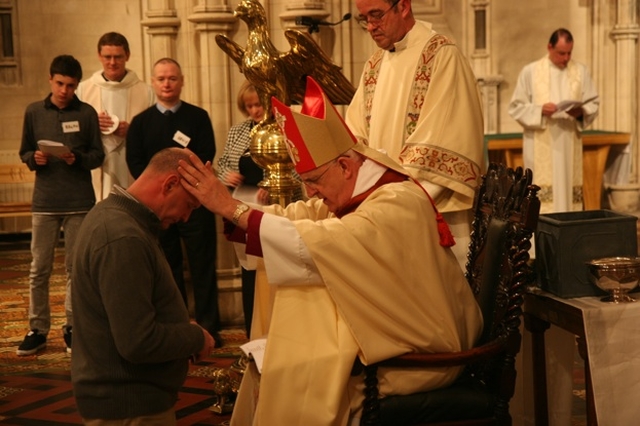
x,y
132,337
59,187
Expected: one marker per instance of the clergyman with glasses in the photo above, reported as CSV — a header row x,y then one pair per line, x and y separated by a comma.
x,y
118,95
418,99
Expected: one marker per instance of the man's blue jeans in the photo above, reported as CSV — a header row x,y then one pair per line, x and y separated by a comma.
x,y
45,235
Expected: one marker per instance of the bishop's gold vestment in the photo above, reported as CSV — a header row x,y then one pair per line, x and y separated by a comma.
x,y
389,288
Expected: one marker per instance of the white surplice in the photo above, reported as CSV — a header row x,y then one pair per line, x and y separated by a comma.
x,y
552,146
123,99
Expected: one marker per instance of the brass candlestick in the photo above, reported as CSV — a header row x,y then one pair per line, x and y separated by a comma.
x,y
269,151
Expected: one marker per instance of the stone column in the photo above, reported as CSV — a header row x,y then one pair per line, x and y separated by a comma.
x,y
482,64
212,68
294,9
162,24
212,17
625,36
490,101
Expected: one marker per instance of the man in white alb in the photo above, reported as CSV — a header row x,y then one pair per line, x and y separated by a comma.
x,y
118,95
552,146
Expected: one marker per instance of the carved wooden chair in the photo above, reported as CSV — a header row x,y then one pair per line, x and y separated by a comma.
x,y
506,211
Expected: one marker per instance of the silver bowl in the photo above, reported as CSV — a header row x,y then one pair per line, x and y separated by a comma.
x,y
617,276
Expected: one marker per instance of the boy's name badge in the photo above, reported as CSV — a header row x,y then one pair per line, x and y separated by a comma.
x,y
181,138
70,126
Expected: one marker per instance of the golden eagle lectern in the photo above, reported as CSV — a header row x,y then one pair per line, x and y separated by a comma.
x,y
283,75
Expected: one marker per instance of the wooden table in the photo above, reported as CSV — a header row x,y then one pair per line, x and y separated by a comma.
x,y
608,340
596,144
539,313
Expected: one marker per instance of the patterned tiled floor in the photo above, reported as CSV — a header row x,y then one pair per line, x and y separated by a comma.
x,y
36,390
45,398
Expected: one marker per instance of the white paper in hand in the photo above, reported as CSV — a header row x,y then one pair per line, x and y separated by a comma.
x,y
54,148
114,126
570,104
255,349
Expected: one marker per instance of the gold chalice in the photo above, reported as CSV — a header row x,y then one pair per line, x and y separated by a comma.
x,y
616,275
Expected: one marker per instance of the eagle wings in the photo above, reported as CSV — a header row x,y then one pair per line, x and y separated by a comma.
x,y
283,74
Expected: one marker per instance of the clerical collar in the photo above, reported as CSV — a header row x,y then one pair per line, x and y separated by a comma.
x,y
173,109
404,43
401,45
116,81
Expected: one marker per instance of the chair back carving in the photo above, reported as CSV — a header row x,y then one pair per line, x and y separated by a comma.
x,y
506,209
506,212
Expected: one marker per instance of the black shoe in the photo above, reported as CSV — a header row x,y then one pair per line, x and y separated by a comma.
x,y
217,339
66,334
32,343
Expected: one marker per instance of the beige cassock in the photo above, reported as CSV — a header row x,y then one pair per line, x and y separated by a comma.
x,y
389,288
421,104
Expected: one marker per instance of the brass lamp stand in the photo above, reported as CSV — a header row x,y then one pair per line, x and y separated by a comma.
x,y
269,151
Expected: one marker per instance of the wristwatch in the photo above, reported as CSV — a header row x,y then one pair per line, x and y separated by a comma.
x,y
240,210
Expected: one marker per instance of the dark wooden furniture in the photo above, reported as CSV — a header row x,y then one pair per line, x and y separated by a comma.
x,y
540,311
505,215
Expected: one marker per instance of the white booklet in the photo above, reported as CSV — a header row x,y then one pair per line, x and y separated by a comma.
x,y
52,147
255,349
569,104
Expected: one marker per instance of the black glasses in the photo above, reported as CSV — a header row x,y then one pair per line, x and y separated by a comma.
x,y
313,182
375,17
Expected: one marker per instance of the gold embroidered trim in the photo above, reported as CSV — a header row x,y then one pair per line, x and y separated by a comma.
x,y
420,86
370,80
441,161
421,82
425,157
